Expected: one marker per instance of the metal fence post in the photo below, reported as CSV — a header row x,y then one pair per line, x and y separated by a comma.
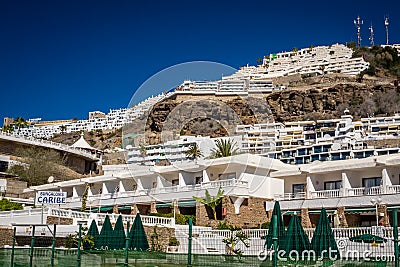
x,y
53,245
31,248
190,243
396,238
126,244
13,246
78,259
275,240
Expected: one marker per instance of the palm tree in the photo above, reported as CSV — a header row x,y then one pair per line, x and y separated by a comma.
x,y
210,201
20,122
7,128
193,152
224,148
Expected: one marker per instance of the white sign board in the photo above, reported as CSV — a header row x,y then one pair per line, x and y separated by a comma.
x,y
51,197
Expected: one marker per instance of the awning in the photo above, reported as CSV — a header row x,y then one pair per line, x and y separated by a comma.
x,y
182,204
188,203
163,205
105,208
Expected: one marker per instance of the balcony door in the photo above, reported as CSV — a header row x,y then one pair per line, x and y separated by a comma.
x,y
371,182
332,185
298,189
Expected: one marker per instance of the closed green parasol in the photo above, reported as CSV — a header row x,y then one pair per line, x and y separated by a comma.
x,y
94,232
119,234
296,238
281,229
368,238
106,235
323,242
137,235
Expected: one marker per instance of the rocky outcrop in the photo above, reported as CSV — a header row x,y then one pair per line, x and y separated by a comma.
x,y
217,116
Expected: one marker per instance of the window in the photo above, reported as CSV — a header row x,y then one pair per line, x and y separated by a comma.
x,y
371,182
298,188
332,185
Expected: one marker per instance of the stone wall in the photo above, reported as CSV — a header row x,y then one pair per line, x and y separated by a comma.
x,y
305,218
252,213
6,235
164,234
15,187
57,220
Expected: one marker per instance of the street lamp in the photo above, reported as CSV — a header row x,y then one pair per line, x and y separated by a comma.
x,y
376,202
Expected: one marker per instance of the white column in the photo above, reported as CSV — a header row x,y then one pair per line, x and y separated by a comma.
x,y
121,187
345,184
238,202
310,187
74,192
90,193
206,179
181,180
385,181
104,189
139,184
159,182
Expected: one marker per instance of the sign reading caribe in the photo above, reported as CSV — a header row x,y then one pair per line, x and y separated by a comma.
x,y
51,197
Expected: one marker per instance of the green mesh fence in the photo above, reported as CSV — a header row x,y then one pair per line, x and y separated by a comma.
x,y
67,258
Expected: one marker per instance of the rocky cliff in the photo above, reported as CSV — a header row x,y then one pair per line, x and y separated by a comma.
x,y
304,99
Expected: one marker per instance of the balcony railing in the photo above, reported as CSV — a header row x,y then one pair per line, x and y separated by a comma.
x,y
362,191
290,196
326,193
350,192
197,187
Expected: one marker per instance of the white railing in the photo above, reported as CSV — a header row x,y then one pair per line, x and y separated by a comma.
x,y
224,183
50,144
326,193
393,189
202,186
81,216
361,191
290,196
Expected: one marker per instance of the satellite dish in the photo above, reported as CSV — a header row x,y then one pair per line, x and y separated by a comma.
x,y
51,179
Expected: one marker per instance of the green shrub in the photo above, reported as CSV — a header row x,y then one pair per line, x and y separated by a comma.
x,y
173,241
6,204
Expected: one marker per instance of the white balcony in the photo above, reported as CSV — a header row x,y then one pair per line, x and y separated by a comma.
x,y
326,194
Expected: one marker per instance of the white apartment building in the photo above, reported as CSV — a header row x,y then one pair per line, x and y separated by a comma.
x,y
173,151
313,61
97,120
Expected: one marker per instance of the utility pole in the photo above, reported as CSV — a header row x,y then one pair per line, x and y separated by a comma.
x,y
358,22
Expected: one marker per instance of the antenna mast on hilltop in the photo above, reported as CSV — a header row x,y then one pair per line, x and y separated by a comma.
x,y
371,35
358,22
387,30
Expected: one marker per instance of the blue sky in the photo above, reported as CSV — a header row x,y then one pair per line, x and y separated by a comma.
x,y
63,58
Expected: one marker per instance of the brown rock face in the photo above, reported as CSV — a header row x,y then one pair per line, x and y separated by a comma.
x,y
217,116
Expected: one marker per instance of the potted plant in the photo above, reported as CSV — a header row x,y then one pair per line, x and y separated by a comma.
x,y
173,244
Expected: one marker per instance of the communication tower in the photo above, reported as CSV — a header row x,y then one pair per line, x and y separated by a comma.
x,y
371,35
358,22
387,29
